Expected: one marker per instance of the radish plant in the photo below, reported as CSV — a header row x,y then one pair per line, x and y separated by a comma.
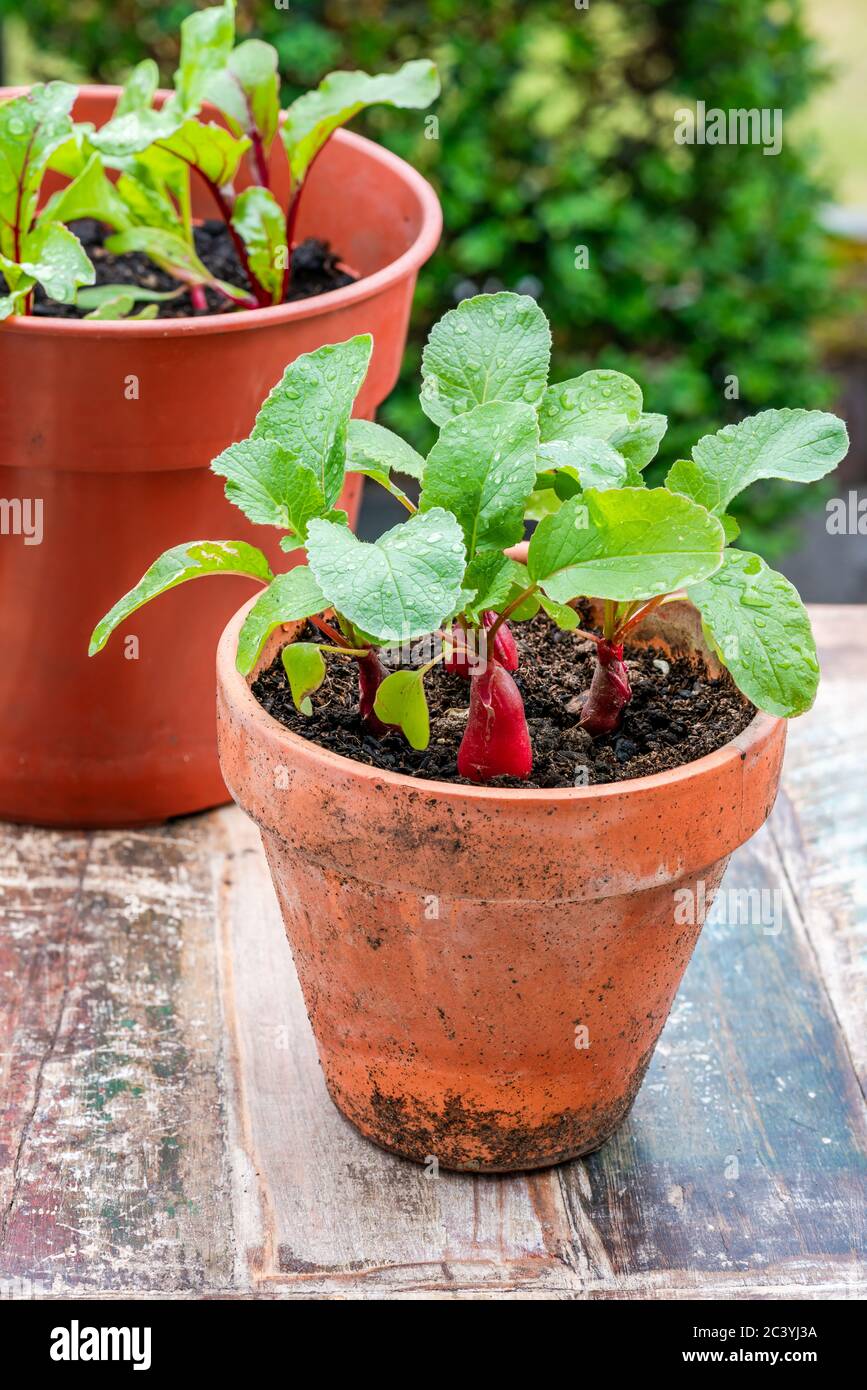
x,y
509,446
154,151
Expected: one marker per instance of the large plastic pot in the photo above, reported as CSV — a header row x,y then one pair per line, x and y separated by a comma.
x,y
454,943
125,739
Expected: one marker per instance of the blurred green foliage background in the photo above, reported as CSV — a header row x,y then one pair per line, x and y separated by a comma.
x,y
556,132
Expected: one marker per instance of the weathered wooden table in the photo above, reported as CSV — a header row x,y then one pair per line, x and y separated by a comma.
x,y
166,1129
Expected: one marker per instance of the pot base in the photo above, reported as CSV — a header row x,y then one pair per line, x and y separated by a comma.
x,y
463,1141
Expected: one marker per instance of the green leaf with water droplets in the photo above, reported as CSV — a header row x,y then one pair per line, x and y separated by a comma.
x,y
192,560
270,485
755,621
308,411
639,441
590,462
598,405
403,585
494,347
492,576
291,596
54,256
313,117
482,469
624,544
798,445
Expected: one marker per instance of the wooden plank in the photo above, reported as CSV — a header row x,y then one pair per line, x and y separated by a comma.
x,y
746,1147
166,1130
114,1157
330,1211
821,827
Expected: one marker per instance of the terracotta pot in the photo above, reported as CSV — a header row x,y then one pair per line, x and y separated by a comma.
x,y
118,741
451,940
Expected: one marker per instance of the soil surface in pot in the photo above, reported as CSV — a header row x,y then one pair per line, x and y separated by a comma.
x,y
677,714
316,269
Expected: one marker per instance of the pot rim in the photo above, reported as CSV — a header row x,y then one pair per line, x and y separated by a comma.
x,y
274,315
238,694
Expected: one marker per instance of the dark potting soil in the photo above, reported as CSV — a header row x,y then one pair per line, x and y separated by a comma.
x,y
677,714
316,269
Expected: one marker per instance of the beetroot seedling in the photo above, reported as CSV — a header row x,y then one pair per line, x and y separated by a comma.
x,y
154,151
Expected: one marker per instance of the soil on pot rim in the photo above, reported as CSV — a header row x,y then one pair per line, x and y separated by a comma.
x,y
677,714
316,269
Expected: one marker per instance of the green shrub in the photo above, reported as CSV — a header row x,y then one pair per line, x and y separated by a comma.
x,y
555,132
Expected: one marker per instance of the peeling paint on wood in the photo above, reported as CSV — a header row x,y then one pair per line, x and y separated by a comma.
x,y
165,1130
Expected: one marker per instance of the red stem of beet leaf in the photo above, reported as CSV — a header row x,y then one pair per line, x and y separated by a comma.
x,y
292,220
259,162
262,297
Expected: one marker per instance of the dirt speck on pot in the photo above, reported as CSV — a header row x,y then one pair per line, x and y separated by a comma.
x,y
677,714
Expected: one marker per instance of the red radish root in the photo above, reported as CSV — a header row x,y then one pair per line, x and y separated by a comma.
x,y
496,742
610,691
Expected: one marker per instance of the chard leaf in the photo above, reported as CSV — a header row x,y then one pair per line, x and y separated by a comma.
x,y
70,157
192,560
213,151
313,117
491,577
149,184
798,445
400,700
625,544
495,347
95,295
759,627
134,131
291,596
307,412
90,194
592,462
32,128
482,469
247,91
639,442
11,302
174,255
372,449
54,256
207,40
120,308
270,484
259,221
304,665
402,586
145,205
599,404
139,89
